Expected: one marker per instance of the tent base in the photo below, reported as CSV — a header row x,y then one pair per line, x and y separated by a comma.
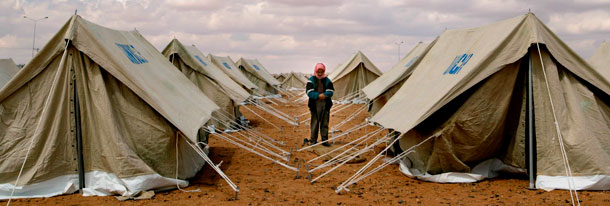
x,y
66,184
102,184
98,183
487,169
593,182
493,167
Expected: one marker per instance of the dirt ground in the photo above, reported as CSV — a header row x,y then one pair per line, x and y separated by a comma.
x,y
262,182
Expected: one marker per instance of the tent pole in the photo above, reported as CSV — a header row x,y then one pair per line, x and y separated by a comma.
x,y
529,134
79,140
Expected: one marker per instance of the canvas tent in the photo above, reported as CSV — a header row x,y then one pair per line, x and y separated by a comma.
x,y
132,106
601,60
384,87
306,75
350,77
258,75
227,66
214,83
294,81
468,95
233,71
8,69
280,77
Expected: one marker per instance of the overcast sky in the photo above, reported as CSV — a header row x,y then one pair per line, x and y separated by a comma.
x,y
293,35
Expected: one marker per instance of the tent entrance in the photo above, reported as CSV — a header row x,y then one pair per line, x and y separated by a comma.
x,y
489,121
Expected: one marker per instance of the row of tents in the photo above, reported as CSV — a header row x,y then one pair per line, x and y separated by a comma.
x,y
348,78
505,97
292,80
106,104
462,106
462,103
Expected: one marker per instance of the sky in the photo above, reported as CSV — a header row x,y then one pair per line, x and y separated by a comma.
x,y
293,35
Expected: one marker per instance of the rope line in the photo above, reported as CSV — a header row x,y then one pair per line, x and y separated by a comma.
x,y
256,152
567,167
389,162
344,160
358,175
44,110
209,161
263,118
349,118
332,138
252,131
178,165
358,141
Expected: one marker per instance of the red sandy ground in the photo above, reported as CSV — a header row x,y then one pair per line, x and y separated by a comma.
x,y
265,183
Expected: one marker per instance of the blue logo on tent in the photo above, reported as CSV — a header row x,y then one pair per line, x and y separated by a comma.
x,y
411,61
132,54
458,63
201,60
256,67
226,65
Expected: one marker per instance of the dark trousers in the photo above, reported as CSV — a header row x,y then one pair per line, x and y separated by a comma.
x,y
319,121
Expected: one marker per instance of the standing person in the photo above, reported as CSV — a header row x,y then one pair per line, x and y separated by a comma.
x,y
319,90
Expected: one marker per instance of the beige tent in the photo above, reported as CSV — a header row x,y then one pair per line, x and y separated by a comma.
x,y
132,105
601,60
306,75
280,77
227,66
8,69
350,77
468,95
214,83
258,75
294,81
384,87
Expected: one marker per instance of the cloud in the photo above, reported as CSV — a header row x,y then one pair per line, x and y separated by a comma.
x,y
292,35
309,3
9,41
581,23
195,5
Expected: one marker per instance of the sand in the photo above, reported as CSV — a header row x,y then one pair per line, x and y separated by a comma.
x,y
262,182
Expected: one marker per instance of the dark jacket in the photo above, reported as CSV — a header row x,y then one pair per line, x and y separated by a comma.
x,y
312,92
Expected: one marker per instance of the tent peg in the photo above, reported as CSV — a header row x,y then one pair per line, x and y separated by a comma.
x,y
298,169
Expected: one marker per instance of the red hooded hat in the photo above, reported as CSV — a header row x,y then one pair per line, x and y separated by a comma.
x,y
319,66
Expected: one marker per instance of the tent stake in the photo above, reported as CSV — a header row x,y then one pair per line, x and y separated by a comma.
x,y
288,156
308,173
298,169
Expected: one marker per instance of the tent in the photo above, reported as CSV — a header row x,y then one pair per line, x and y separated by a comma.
x,y
601,60
306,75
465,105
8,69
137,116
214,83
280,77
294,81
258,75
350,77
227,65
384,87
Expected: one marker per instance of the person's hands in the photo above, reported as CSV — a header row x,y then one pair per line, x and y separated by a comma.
x,y
321,96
